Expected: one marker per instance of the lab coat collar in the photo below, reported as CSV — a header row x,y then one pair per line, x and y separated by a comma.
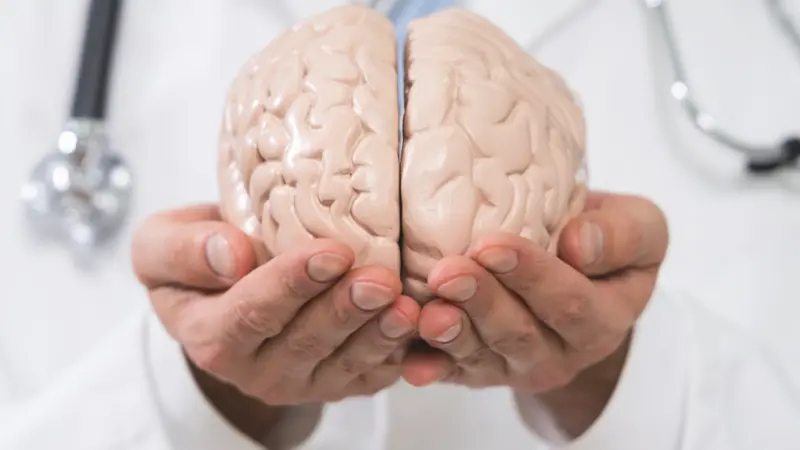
x,y
523,20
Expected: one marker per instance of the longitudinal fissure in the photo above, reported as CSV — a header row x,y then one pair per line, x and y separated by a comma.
x,y
474,148
402,105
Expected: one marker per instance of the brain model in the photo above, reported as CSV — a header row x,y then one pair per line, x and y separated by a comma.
x,y
311,144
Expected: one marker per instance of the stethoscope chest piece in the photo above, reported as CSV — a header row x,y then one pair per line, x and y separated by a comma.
x,y
81,191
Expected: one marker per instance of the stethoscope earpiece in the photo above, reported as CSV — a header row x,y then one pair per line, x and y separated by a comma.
x,y
789,156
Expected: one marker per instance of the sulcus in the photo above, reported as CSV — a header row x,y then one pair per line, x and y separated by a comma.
x,y
310,142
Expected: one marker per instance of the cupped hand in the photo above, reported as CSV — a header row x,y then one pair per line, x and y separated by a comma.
x,y
512,314
303,328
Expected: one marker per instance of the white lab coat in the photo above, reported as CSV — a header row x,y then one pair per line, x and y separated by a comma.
x,y
85,365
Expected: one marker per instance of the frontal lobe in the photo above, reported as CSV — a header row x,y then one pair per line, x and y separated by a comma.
x,y
308,144
494,141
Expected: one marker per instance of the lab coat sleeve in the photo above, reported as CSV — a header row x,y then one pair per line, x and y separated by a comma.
x,y
136,391
691,382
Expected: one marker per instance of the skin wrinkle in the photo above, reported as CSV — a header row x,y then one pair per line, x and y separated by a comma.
x,y
493,141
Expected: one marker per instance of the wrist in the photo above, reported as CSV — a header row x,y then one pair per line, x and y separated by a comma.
x,y
579,404
250,416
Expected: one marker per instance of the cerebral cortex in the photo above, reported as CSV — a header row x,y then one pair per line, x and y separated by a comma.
x,y
310,142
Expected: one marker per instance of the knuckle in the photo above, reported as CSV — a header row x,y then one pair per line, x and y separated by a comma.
x,y
298,370
538,270
278,391
376,346
257,320
539,276
476,358
385,347
560,378
170,306
525,285
193,330
586,342
295,286
372,389
353,365
456,375
598,339
335,396
571,313
212,358
604,346
516,342
275,397
253,386
375,384
550,378
308,347
344,314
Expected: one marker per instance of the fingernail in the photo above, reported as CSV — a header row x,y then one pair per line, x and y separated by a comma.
x,y
498,260
591,239
394,325
449,334
325,267
370,296
220,257
460,289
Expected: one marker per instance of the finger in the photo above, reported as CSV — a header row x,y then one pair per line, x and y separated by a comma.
x,y
190,248
505,325
374,381
633,288
448,328
327,321
621,232
425,368
557,295
261,305
175,307
480,369
370,346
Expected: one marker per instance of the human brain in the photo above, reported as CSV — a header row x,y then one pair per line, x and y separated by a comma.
x,y
310,145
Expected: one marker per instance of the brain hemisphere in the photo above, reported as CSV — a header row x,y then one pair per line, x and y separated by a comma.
x,y
494,141
308,147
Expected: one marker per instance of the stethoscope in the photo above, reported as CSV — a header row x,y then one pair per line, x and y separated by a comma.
x,y
760,159
81,191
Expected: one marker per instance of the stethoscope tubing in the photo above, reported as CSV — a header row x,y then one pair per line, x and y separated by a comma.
x,y
761,159
90,96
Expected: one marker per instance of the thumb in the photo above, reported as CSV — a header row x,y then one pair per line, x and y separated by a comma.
x,y
620,232
190,247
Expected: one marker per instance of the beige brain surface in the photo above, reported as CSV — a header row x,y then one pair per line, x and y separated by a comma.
x,y
309,146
